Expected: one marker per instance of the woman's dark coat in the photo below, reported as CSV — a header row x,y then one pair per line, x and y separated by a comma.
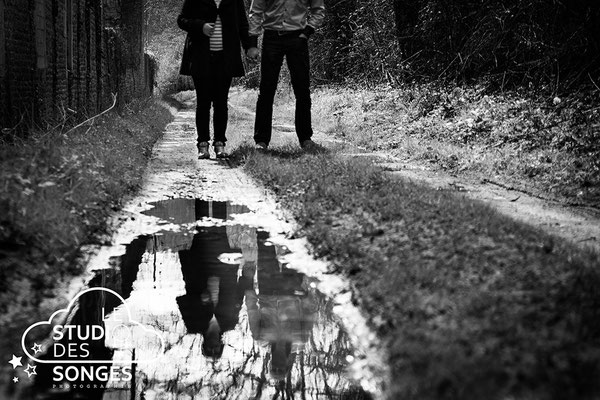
x,y
196,13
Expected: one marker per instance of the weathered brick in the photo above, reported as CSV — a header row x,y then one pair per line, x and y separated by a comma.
x,y
3,94
60,58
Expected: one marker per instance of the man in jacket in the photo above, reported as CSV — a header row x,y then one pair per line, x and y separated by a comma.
x,y
287,26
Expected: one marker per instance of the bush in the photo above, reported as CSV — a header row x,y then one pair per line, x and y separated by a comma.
x,y
517,43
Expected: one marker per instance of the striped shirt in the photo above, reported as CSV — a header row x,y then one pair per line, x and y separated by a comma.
x,y
216,39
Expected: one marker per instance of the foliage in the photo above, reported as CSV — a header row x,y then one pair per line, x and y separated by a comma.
x,y
507,43
165,41
357,41
516,43
534,41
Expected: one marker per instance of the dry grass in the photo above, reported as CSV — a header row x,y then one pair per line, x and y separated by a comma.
x,y
548,146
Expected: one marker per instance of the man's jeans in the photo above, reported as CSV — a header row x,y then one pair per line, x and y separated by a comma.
x,y
212,88
295,50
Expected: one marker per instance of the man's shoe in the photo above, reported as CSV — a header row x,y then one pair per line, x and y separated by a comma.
x,y
220,149
203,153
309,145
260,146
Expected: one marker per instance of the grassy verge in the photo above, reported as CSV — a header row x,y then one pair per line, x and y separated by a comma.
x,y
469,304
546,145
57,192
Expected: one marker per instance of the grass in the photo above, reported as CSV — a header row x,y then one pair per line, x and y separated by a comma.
x,y
545,145
57,192
470,304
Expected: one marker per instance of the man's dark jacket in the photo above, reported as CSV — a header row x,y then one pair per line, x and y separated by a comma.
x,y
196,13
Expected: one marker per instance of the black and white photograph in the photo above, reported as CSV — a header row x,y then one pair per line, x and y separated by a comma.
x,y
299,200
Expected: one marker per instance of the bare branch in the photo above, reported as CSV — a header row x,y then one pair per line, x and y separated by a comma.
x,y
114,96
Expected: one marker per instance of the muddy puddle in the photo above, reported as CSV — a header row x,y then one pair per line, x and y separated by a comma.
x,y
207,312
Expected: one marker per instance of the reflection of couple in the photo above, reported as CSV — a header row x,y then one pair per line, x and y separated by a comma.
x,y
212,57
280,311
214,294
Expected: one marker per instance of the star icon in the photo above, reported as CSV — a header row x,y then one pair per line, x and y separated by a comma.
x,y
16,362
15,379
30,370
37,348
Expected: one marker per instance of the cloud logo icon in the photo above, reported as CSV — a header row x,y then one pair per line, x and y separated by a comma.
x,y
117,331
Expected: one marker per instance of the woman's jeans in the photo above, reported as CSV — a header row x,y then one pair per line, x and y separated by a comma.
x,y
212,88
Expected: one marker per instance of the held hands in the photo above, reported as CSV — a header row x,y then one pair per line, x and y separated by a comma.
x,y
253,53
208,29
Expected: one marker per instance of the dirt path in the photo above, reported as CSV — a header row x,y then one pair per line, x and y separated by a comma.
x,y
202,234
580,225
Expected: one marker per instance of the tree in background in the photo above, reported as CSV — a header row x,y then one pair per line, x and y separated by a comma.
x,y
505,42
165,41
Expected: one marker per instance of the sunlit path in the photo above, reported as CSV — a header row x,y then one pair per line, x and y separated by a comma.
x,y
201,260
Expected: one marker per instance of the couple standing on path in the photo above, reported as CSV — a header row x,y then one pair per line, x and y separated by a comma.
x,y
212,57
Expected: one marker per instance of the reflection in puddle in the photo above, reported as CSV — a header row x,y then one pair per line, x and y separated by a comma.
x,y
237,322
183,211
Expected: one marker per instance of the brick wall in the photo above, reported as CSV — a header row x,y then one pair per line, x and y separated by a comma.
x,y
19,89
125,19
3,96
63,59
